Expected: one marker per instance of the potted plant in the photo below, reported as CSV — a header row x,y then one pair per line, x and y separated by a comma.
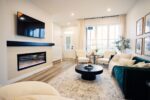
x,y
122,44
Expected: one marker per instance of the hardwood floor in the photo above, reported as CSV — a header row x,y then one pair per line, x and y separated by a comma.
x,y
47,74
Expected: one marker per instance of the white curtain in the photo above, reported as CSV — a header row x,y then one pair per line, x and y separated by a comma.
x,y
82,34
122,21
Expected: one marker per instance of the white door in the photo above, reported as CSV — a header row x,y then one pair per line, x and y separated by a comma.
x,y
68,46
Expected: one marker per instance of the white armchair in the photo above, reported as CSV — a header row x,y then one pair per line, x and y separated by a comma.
x,y
81,56
106,57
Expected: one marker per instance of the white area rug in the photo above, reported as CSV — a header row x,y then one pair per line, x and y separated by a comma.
x,y
70,84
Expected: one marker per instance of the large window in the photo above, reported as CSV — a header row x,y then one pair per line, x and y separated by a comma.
x,y
102,37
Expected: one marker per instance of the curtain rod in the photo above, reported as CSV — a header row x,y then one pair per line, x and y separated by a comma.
x,y
100,17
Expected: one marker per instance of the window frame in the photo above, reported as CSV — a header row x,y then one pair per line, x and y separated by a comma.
x,y
108,36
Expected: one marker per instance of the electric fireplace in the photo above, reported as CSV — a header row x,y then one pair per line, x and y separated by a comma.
x,y
30,60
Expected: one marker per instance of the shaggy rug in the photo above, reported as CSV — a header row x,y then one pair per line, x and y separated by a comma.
x,y
70,84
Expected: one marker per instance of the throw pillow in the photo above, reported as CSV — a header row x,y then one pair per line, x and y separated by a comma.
x,y
147,65
126,56
140,64
126,62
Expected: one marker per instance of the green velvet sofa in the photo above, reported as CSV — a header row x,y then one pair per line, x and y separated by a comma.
x,y
132,80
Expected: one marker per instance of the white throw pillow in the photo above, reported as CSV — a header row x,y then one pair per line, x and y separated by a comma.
x,y
142,64
147,65
126,62
126,56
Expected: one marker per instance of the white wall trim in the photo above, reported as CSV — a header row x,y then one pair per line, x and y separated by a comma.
x,y
28,74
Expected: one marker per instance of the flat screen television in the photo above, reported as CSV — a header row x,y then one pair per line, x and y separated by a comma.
x,y
30,27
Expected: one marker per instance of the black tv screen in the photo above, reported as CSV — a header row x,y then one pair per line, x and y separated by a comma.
x,y
30,27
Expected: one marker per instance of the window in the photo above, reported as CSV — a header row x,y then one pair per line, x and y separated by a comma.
x,y
102,37
68,42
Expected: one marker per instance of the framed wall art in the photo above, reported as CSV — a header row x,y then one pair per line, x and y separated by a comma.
x,y
147,46
139,26
147,23
138,46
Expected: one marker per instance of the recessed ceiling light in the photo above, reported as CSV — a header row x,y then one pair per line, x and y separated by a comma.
x,y
72,14
108,9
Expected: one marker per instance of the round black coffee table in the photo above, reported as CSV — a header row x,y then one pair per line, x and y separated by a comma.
x,y
88,71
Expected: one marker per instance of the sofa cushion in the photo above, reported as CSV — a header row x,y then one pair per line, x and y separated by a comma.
x,y
116,58
126,62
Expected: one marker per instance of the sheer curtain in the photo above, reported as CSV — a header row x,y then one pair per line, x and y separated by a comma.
x,y
82,34
101,33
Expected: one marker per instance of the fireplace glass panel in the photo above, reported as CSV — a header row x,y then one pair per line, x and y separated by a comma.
x,y
30,60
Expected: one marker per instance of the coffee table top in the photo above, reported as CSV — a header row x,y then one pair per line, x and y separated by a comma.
x,y
97,69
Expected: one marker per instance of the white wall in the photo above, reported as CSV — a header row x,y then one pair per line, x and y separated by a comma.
x,y
57,39
3,63
8,10
139,10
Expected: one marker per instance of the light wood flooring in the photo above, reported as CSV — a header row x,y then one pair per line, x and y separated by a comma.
x,y
47,74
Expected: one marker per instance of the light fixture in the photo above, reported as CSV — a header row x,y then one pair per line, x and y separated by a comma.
x,y
72,14
109,9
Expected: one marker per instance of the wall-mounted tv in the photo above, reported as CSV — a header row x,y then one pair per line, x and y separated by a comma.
x,y
30,27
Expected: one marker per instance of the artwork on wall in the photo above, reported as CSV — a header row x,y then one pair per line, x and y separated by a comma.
x,y
142,45
138,46
147,23
139,26
147,46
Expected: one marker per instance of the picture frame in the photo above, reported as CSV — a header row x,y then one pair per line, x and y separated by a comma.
x,y
147,46
138,46
147,23
139,26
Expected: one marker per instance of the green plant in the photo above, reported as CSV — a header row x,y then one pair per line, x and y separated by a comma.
x,y
122,44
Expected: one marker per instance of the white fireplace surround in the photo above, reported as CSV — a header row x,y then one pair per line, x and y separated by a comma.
x,y
12,52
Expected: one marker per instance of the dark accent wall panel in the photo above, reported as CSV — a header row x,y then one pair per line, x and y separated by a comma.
x,y
23,43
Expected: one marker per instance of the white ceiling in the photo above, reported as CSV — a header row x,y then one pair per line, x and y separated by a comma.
x,y
61,10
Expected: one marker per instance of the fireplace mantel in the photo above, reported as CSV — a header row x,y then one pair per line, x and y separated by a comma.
x,y
23,43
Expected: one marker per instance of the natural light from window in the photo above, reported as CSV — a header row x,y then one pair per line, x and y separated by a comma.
x,y
102,37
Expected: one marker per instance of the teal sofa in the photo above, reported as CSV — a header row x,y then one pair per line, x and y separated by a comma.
x,y
132,80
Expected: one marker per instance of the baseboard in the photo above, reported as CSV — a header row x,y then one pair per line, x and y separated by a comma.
x,y
68,59
57,61
28,74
